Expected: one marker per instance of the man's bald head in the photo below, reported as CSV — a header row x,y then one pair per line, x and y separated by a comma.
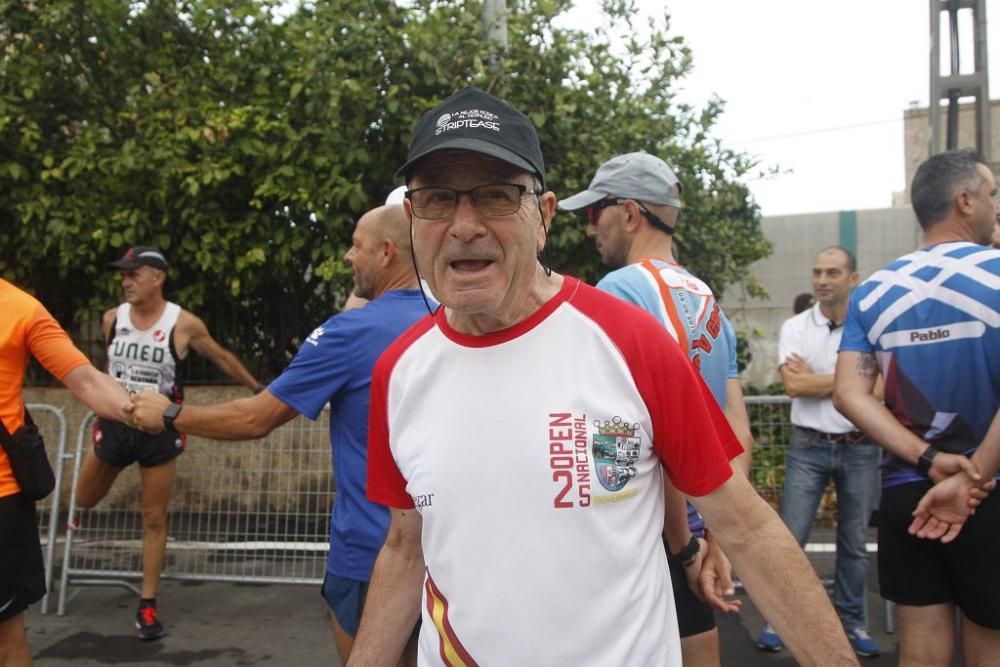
x,y
380,252
389,223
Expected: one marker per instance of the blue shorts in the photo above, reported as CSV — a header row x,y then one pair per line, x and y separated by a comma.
x,y
346,600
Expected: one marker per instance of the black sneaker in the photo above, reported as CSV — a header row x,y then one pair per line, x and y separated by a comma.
x,y
148,624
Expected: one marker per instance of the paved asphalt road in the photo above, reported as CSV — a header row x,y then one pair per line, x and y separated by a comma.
x,y
217,624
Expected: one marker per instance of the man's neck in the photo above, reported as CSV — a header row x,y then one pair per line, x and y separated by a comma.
x,y
657,245
948,230
146,312
544,287
835,312
402,280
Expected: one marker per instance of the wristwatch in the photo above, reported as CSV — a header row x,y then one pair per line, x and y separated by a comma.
x,y
926,460
170,414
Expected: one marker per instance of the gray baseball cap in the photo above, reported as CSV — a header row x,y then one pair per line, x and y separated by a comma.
x,y
638,176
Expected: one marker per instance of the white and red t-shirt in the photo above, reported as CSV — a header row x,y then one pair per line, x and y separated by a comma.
x,y
533,455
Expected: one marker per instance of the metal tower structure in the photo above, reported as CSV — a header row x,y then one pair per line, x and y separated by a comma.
x,y
955,85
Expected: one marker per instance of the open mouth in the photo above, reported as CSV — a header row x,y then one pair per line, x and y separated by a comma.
x,y
469,265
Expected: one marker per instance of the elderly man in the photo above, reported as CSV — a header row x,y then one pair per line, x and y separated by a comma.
x,y
518,437
333,366
148,337
930,321
632,208
28,330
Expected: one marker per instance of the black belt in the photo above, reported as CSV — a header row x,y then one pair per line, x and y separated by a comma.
x,y
849,438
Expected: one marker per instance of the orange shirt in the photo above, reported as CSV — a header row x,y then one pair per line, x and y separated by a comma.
x,y
26,328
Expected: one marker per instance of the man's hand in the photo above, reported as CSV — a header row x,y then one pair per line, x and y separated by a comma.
x,y
944,509
691,571
797,364
945,465
147,415
715,581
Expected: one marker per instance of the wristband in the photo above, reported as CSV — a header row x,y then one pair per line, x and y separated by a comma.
x,y
926,460
689,553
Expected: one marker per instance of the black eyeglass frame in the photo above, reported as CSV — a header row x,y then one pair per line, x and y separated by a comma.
x,y
523,190
593,211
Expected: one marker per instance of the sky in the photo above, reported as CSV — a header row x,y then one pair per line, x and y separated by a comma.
x,y
816,89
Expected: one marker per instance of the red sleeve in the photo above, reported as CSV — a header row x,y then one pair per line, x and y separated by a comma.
x,y
51,345
690,432
386,484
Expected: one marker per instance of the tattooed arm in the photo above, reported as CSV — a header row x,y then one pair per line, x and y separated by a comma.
x,y
853,396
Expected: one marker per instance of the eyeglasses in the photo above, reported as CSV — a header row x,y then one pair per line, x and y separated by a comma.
x,y
593,212
494,199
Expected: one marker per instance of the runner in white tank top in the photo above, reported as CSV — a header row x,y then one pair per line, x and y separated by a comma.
x,y
147,338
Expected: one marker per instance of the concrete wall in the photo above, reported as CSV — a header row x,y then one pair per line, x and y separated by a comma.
x,y
875,236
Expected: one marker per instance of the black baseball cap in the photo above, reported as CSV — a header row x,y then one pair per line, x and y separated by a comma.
x,y
474,120
140,255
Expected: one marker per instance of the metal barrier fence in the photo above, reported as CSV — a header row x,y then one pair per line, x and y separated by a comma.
x,y
240,511
770,423
52,424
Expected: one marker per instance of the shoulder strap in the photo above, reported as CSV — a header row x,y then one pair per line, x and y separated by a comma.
x,y
668,303
6,436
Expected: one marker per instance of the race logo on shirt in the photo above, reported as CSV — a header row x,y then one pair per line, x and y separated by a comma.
x,y
616,451
159,336
569,460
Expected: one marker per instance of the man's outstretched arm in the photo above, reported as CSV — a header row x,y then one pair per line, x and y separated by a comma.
x,y
393,604
202,342
776,572
99,392
242,419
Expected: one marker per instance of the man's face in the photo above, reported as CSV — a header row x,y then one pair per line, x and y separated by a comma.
x,y
832,280
986,214
478,265
363,258
140,283
607,227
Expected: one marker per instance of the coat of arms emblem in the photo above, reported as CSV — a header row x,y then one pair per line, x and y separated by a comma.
x,y
616,450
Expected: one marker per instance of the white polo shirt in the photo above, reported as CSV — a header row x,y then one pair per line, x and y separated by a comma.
x,y
808,335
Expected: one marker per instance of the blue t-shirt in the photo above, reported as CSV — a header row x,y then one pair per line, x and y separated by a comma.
x,y
932,319
686,308
334,365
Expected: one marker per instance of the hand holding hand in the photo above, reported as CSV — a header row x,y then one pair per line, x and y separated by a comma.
x,y
946,507
147,413
945,465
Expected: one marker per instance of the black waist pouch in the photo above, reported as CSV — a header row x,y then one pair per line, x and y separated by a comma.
x,y
26,453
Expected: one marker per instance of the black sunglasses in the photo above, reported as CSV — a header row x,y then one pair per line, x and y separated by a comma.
x,y
593,212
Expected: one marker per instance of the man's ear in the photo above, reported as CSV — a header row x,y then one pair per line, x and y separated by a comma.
x,y
547,212
634,216
963,202
386,252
